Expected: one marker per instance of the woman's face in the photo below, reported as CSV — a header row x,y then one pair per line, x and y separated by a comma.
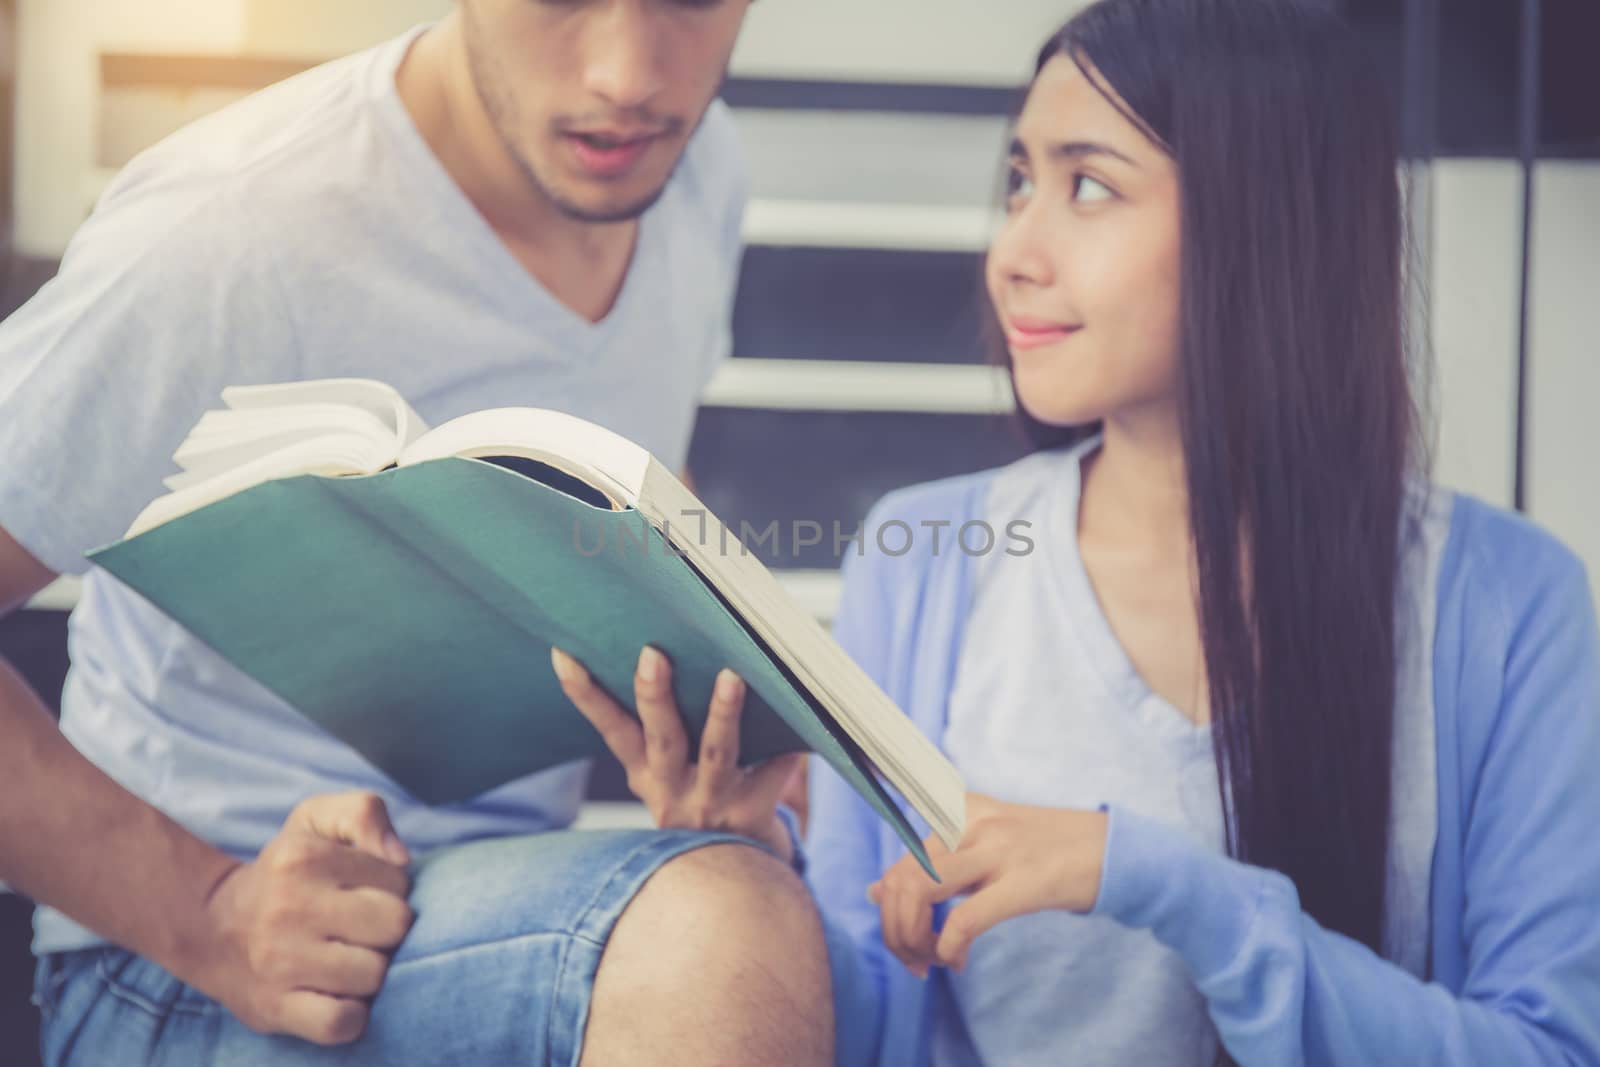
x,y
1084,274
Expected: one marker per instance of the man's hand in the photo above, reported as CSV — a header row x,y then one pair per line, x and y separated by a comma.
x,y
712,794
305,931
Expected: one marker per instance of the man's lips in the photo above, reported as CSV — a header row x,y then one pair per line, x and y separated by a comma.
x,y
1023,332
615,134
609,153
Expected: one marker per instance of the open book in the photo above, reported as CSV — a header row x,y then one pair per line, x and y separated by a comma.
x,y
402,587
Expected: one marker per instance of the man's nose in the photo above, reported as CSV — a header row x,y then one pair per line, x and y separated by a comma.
x,y
623,64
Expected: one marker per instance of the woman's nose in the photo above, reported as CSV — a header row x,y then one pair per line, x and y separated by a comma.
x,y
1019,255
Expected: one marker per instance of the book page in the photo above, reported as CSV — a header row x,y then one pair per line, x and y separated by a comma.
x,y
330,455
223,440
381,400
608,462
331,427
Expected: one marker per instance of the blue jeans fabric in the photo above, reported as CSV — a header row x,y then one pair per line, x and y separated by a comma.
x,y
498,968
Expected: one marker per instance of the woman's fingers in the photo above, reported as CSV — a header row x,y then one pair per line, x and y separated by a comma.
x,y
916,929
654,749
906,897
906,916
620,730
891,919
972,917
959,872
719,743
666,748
922,937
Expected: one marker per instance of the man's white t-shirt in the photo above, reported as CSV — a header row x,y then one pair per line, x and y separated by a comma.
x,y
309,232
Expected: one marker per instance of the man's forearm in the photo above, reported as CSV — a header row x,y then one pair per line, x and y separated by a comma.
x,y
73,838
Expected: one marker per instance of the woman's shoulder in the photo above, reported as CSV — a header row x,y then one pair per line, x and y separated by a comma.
x,y
941,498
966,495
1516,647
1500,559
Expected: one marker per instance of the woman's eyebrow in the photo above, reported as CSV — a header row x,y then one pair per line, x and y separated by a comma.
x,y
1070,150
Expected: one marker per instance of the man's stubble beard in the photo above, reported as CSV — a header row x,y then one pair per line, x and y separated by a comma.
x,y
504,119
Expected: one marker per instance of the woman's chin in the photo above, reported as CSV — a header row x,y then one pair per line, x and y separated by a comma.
x,y
1062,411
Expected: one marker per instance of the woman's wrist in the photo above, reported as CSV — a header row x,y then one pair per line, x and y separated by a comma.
x,y
1070,845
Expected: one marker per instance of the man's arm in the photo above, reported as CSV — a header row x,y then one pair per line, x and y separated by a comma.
x,y
64,824
74,839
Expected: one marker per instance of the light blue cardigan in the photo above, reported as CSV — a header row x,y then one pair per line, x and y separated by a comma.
x,y
1514,950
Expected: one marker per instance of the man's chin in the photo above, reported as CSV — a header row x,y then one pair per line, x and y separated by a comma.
x,y
605,208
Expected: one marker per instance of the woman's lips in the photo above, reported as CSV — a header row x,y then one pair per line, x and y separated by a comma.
x,y
1036,333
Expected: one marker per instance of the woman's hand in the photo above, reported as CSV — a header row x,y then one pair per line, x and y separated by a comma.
x,y
711,794
1013,860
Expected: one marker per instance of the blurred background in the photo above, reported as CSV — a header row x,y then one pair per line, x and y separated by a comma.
x,y
875,134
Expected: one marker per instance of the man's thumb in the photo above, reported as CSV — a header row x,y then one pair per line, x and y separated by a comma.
x,y
358,819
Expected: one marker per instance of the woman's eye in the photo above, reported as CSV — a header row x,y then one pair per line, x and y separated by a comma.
x,y
1019,189
1086,189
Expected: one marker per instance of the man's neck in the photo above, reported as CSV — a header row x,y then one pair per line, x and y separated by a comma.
x,y
582,264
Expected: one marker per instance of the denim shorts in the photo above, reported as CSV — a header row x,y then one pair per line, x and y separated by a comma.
x,y
498,968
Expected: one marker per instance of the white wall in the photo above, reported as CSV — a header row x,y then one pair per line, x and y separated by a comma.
x,y
58,45
1564,358
947,41
1476,226
963,42
58,42
328,27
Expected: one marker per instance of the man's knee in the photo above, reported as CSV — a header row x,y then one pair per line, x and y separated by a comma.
x,y
744,927
725,885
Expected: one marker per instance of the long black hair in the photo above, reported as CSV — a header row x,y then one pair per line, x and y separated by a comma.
x,y
1298,421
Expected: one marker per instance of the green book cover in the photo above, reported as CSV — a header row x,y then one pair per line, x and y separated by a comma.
x,y
411,613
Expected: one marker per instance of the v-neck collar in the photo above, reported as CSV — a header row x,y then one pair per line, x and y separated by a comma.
x,y
1110,659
